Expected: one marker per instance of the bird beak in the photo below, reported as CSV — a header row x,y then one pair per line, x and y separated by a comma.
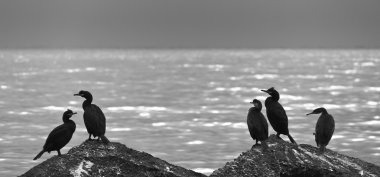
x,y
309,113
251,102
77,94
74,113
264,91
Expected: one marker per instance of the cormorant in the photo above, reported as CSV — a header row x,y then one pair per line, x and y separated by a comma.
x,y
276,114
324,129
60,135
257,124
93,117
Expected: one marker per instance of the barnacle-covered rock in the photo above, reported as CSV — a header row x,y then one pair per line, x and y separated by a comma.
x,y
93,158
282,158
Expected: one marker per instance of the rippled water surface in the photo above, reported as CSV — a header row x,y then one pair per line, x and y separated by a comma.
x,y
187,107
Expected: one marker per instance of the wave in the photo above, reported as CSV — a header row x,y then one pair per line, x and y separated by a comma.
x,y
213,67
371,123
4,87
119,129
22,113
159,124
56,108
77,70
205,171
135,108
332,87
239,125
372,89
265,76
312,106
195,142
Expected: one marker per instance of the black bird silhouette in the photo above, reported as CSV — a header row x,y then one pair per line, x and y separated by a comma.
x,y
60,135
257,124
276,114
93,117
324,129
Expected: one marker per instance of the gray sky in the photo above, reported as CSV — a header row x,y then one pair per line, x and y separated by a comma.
x,y
189,23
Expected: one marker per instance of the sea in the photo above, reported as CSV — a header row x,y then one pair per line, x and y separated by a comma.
x,y
187,107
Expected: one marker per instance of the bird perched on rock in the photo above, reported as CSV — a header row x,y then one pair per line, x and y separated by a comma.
x,y
276,114
257,124
93,117
324,128
60,135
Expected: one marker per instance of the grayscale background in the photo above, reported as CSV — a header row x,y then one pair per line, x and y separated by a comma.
x,y
175,78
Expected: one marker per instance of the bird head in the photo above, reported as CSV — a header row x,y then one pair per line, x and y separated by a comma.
x,y
68,113
270,91
317,111
84,94
256,103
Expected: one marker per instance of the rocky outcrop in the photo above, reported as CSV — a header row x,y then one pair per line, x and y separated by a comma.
x,y
93,158
282,158
279,158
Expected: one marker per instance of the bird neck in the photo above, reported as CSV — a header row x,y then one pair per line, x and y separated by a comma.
x,y
66,119
71,124
275,96
87,103
258,109
324,112
271,99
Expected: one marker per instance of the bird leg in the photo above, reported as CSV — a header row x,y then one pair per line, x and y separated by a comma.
x,y
256,144
59,152
278,136
89,137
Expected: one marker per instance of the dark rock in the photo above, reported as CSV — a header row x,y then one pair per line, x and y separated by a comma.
x,y
282,158
93,158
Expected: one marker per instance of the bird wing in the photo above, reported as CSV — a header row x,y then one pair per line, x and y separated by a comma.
x,y
95,120
251,124
324,129
102,118
57,131
279,112
317,133
88,121
265,124
277,117
257,125
330,128
59,135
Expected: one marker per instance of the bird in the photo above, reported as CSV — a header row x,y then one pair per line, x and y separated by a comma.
x,y
257,124
60,135
276,114
324,128
93,117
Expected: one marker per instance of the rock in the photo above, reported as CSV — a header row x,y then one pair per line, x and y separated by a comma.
x,y
285,159
93,158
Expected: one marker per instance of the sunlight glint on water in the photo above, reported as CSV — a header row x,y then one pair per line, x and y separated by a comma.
x,y
194,103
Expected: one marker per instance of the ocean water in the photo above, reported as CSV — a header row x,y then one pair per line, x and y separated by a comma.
x,y
187,107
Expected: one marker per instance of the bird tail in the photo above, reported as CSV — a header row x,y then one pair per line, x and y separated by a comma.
x,y
39,155
291,139
104,139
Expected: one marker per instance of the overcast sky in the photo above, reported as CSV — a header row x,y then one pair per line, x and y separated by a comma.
x,y
190,23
